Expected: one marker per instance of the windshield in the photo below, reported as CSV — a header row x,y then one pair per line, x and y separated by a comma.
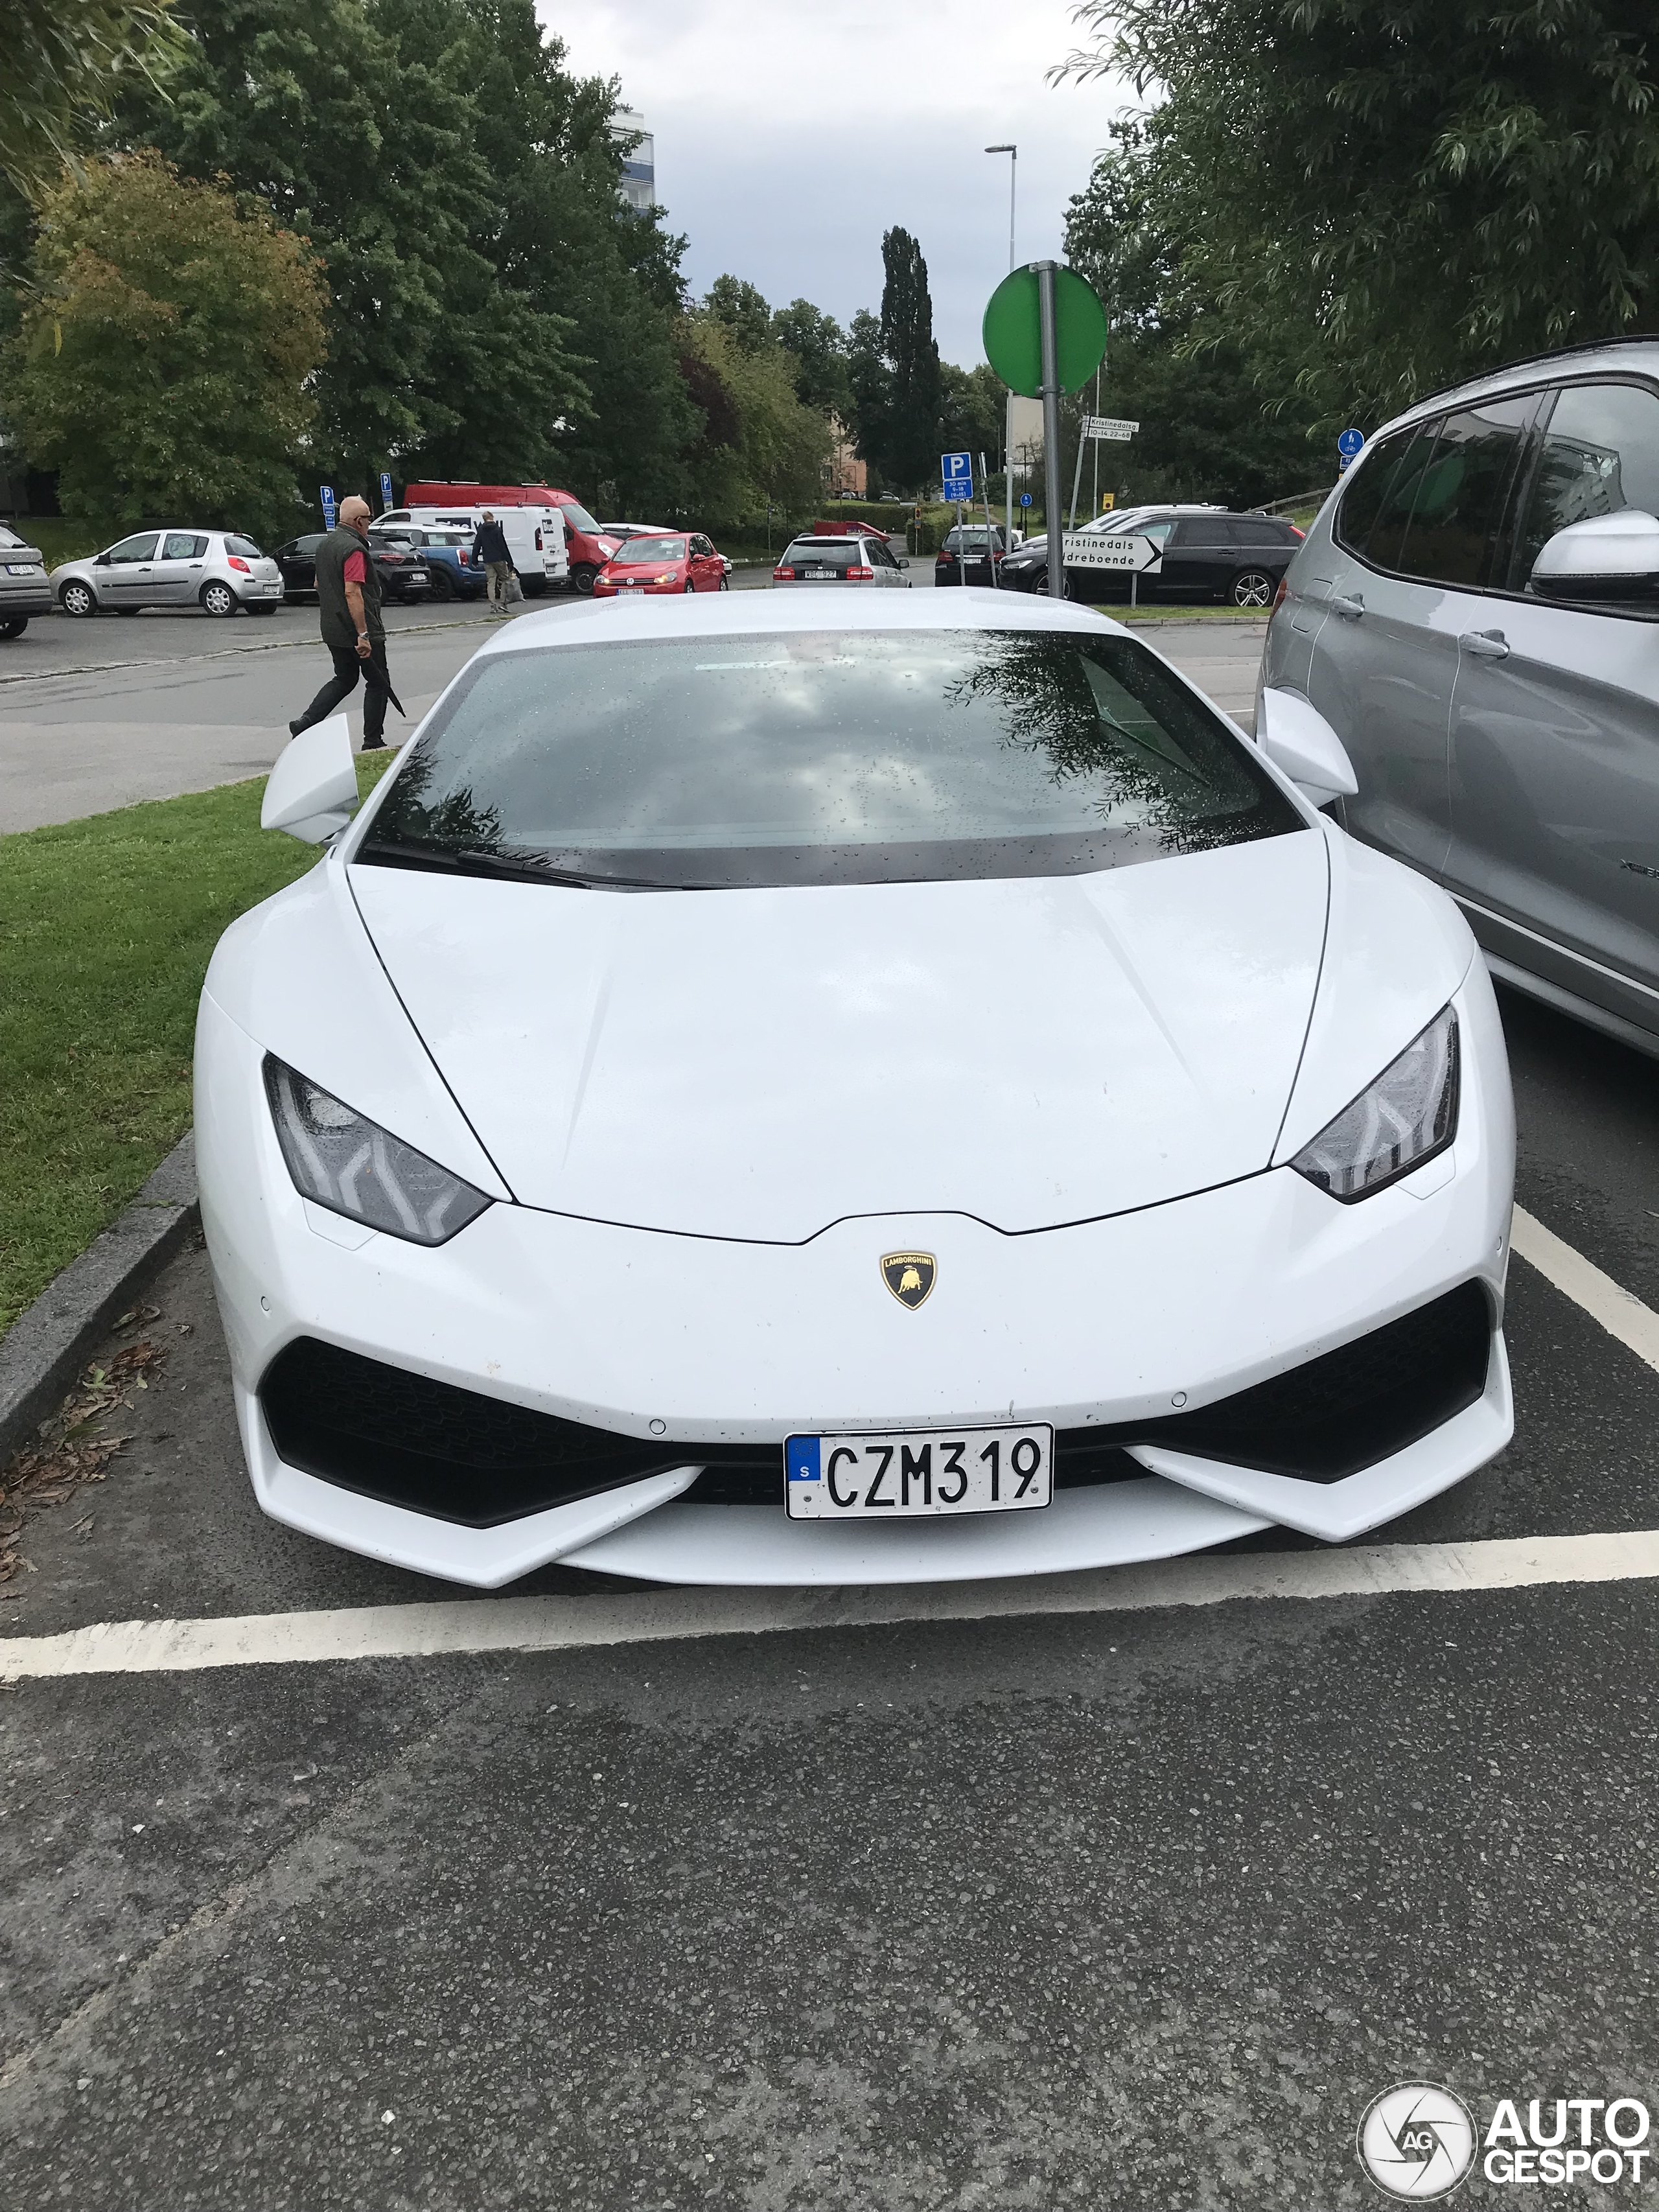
x,y
643,551
821,757
7,539
576,517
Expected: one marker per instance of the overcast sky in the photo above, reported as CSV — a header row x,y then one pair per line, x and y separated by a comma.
x,y
790,134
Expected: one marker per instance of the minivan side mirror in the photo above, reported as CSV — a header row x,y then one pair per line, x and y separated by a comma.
x,y
1606,557
312,793
1297,738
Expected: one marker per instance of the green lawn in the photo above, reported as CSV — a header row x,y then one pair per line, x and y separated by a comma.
x,y
105,928
59,540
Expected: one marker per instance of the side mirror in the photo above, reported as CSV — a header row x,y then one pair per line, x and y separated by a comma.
x,y
904,560
1297,738
1608,556
100,561
312,793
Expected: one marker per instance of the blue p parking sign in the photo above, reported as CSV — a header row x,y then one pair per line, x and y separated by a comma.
x,y
385,490
328,506
957,473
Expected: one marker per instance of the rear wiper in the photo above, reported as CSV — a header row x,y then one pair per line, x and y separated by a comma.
x,y
523,868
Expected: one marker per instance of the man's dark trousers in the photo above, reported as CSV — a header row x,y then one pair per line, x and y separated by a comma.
x,y
347,671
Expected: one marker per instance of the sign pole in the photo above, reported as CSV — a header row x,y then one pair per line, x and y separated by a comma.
x,y
1095,507
1077,476
990,547
1051,484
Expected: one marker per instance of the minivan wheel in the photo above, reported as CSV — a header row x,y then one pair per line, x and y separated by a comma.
x,y
1252,587
78,598
218,598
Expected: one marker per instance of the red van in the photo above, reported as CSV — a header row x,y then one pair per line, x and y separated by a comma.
x,y
588,547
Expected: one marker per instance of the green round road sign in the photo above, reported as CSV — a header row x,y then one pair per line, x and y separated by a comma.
x,y
1013,339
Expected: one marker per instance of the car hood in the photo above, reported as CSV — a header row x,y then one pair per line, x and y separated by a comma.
x,y
758,1064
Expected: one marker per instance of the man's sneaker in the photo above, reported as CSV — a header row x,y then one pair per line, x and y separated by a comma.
x,y
374,744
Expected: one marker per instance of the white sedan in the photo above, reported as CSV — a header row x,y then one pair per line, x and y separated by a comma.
x,y
782,1090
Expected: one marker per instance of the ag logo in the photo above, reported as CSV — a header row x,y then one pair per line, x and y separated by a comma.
x,y
1417,2140
909,1276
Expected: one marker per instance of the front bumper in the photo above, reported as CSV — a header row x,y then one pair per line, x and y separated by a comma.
x,y
1104,1324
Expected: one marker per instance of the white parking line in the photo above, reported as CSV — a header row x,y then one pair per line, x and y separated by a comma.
x,y
1619,1312
575,1624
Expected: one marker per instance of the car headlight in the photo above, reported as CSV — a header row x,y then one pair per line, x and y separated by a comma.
x,y
353,1166
1407,1116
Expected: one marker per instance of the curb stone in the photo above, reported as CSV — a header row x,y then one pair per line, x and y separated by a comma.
x,y
47,1345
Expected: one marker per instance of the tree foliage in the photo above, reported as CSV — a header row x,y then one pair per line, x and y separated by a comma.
x,y
62,63
1385,195
761,443
1216,422
904,436
818,346
163,362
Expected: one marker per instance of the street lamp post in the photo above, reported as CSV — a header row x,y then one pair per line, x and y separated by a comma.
x,y
1013,152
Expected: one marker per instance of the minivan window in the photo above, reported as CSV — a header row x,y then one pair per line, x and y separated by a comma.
x,y
1600,453
1456,515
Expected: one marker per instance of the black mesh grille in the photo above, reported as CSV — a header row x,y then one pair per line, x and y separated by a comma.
x,y
460,1456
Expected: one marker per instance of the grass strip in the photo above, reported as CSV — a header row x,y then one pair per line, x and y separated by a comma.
x,y
107,925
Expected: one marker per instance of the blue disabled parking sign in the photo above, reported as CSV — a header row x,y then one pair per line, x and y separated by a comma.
x,y
957,472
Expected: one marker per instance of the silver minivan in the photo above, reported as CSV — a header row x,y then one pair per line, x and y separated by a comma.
x,y
1476,613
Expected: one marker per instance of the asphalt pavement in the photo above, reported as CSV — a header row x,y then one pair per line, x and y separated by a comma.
x,y
1109,1910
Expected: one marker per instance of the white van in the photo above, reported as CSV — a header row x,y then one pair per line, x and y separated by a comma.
x,y
535,537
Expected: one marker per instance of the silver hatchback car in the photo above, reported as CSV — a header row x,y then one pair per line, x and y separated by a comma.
x,y
1476,614
217,570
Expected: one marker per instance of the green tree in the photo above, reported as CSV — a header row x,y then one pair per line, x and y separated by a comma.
x,y
61,63
761,443
870,380
1216,422
163,360
1381,196
972,412
910,434
818,346
495,309
743,311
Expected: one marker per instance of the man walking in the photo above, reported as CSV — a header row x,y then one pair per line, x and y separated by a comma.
x,y
490,547
349,604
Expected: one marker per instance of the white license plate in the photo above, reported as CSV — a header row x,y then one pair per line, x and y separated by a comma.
x,y
918,1472
627,590
820,576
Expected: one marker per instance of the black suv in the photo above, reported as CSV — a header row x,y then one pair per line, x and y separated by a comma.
x,y
1204,554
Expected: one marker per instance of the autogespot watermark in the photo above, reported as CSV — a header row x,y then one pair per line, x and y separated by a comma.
x,y
1419,2141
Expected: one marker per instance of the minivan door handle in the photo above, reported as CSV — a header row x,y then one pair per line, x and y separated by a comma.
x,y
1486,644
1352,608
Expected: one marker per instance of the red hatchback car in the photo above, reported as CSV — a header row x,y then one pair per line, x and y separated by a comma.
x,y
662,564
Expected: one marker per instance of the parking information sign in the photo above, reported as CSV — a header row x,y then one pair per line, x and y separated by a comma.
x,y
385,490
1108,426
956,471
328,506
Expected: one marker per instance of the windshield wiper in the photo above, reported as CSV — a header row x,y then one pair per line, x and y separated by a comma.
x,y
522,868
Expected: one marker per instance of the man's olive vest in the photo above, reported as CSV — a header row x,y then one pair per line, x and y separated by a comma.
x,y
338,628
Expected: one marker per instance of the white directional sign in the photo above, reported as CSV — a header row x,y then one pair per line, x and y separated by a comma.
x,y
1108,426
1127,555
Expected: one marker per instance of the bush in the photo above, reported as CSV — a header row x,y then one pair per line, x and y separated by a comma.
x,y
887,514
